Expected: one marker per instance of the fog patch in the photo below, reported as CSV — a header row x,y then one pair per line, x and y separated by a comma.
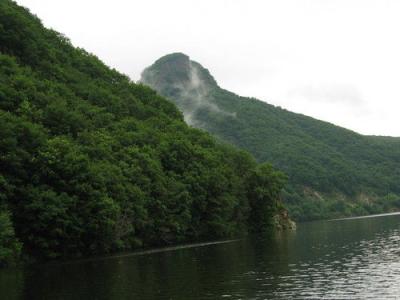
x,y
195,96
191,92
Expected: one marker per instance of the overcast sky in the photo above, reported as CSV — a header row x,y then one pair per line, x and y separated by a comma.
x,y
337,61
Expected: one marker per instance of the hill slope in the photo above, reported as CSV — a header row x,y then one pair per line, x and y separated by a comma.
x,y
93,163
332,171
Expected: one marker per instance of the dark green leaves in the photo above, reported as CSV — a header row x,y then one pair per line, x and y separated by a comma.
x,y
93,163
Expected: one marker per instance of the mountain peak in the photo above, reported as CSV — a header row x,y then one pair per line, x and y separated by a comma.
x,y
187,83
176,56
176,70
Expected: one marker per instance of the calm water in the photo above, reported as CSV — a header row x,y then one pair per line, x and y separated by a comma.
x,y
342,259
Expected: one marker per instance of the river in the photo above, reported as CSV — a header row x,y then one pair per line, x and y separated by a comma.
x,y
355,258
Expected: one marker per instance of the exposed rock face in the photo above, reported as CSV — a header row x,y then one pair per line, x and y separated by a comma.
x,y
281,221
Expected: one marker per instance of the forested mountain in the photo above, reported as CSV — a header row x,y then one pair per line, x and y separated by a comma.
x,y
91,162
332,171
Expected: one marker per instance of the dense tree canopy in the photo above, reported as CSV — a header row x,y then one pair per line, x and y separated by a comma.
x,y
91,162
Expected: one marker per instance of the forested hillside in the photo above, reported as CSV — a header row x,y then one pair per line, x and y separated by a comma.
x,y
332,171
91,162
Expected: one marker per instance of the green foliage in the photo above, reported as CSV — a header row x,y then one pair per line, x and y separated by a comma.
x,y
91,162
10,248
316,155
265,187
314,207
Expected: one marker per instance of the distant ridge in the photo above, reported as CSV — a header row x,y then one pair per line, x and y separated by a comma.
x,y
332,171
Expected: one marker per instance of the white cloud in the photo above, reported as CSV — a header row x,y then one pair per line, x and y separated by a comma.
x,y
334,94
